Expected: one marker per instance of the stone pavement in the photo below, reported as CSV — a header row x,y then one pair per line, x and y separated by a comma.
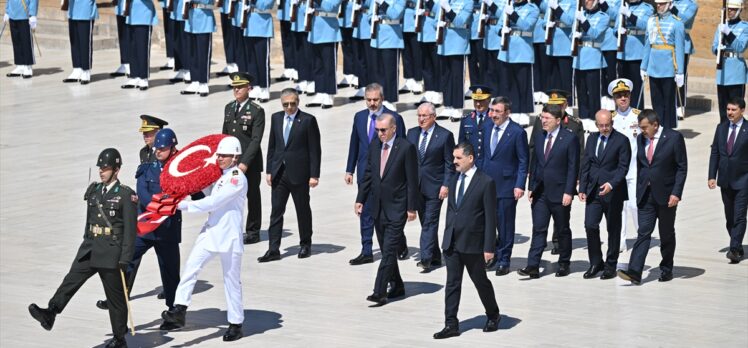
x,y
51,133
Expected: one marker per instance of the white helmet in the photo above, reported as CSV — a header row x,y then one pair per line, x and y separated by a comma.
x,y
735,4
229,146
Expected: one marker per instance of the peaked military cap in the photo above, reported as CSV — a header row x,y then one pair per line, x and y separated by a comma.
x,y
151,123
557,96
240,79
480,92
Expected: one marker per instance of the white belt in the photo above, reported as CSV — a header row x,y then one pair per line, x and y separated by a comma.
x,y
390,21
326,14
453,26
202,6
520,33
730,54
613,23
592,44
562,25
637,32
263,11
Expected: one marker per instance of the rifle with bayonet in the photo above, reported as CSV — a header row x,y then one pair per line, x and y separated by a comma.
x,y
504,34
442,18
621,40
309,16
575,42
419,16
721,42
374,20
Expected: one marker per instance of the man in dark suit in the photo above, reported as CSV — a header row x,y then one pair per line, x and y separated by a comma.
x,y
553,180
294,155
390,185
469,239
505,160
602,185
729,159
362,134
246,121
662,166
435,145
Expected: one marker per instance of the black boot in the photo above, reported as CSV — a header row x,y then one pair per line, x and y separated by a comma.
x,y
116,342
233,333
175,316
45,316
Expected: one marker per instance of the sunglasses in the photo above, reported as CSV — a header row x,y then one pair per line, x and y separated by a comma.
x,y
288,105
381,130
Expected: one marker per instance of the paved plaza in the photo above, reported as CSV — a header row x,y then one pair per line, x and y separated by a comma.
x,y
51,134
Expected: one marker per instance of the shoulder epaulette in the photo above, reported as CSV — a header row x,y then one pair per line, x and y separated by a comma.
x,y
636,111
251,102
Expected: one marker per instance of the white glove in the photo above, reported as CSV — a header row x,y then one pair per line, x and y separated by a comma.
x,y
679,79
580,16
310,9
577,34
624,10
182,205
488,2
379,2
374,18
506,30
553,4
445,5
356,6
643,74
483,16
508,10
5,17
419,11
32,22
550,24
622,31
441,24
725,29
722,47
293,2
600,2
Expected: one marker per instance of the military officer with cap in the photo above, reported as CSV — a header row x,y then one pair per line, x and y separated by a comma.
x,y
636,14
245,120
473,126
686,11
452,52
626,122
21,15
107,248
149,127
592,25
663,61
733,73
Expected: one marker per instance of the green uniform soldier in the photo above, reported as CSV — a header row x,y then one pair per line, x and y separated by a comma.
x,y
149,127
245,120
107,248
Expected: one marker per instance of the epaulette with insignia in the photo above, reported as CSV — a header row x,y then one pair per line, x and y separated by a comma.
x,y
636,111
255,104
235,172
91,188
614,113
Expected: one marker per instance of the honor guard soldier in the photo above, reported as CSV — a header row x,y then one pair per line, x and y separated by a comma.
x,y
609,50
182,44
636,14
458,15
491,45
541,67
626,122
257,37
200,27
686,11
362,51
473,125
323,38
412,68
107,249
287,44
227,33
591,27
237,34
732,74
168,34
477,58
517,59
245,120
22,17
140,22
387,43
81,15
302,48
123,38
664,54
346,44
429,58
559,18
149,127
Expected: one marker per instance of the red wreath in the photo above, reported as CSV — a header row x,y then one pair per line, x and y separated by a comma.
x,y
190,170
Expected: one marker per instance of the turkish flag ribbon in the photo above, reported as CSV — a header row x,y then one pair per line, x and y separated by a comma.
x,y
190,170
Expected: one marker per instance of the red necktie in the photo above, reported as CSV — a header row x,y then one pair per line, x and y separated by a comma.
x,y
651,150
548,146
385,154
731,139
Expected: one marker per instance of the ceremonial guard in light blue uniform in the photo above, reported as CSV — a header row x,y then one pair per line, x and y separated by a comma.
x,y
493,77
609,49
412,67
387,43
303,50
140,21
363,53
81,17
664,51
592,24
733,75
287,37
429,59
200,25
22,17
636,14
324,38
168,33
346,44
256,46
686,11
123,40
541,67
477,58
229,43
516,61
559,19
237,34
182,44
452,52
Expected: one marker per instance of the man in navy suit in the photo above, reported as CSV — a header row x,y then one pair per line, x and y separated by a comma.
x,y
602,185
293,167
662,165
505,160
390,187
362,134
729,159
435,145
469,240
553,180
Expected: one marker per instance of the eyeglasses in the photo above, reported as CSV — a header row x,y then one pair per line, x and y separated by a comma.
x,y
622,95
381,130
288,105
426,115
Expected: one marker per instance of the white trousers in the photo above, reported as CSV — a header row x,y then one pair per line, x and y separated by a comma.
x,y
629,210
232,267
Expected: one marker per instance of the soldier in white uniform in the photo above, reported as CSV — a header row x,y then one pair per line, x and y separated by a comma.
x,y
625,120
221,236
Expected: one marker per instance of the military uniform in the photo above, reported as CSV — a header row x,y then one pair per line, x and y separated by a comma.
x,y
686,11
123,38
168,34
559,50
302,48
491,46
475,124
149,123
227,33
733,76
589,62
287,44
363,53
81,16
429,59
387,44
412,68
541,67
182,45
140,22
200,27
21,15
323,40
452,52
630,59
516,62
256,46
609,47
346,44
477,58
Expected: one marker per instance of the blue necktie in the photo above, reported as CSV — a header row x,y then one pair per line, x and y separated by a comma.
x,y
422,147
461,189
495,138
372,126
287,130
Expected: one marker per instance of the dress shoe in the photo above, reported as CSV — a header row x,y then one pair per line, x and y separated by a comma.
x,y
13,74
167,326
665,277
424,264
176,315
282,79
395,292
554,249
563,270
251,239
734,256
378,300
305,252
608,273
531,272
447,332
502,270
491,263
233,333
630,276
161,295
45,316
403,254
102,304
326,106
116,342
361,259
269,256
593,271
492,324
